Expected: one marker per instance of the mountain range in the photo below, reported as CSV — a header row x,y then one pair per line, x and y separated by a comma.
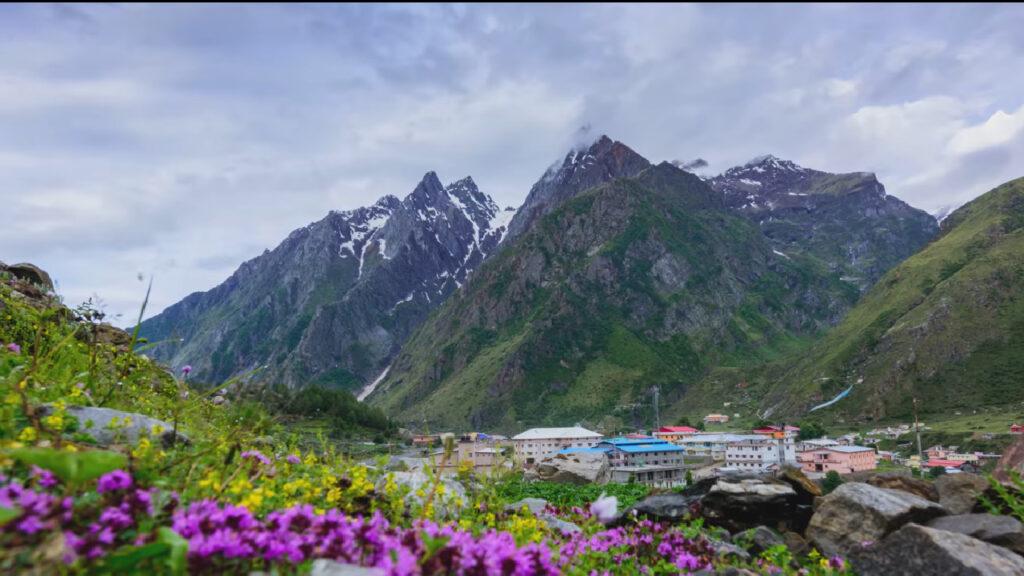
x,y
614,275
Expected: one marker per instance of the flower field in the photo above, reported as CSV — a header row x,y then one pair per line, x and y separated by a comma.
x,y
225,488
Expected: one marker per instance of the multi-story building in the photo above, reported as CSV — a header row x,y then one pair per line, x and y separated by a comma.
x,y
760,453
815,444
712,446
651,461
716,419
535,444
841,459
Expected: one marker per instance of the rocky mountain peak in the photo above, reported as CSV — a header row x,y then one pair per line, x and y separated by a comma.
x,y
602,161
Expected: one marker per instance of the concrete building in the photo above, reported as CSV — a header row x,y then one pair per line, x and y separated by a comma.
x,y
716,419
841,459
535,444
815,444
712,446
760,453
650,461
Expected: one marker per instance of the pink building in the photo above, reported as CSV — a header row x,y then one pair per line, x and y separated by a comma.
x,y
842,459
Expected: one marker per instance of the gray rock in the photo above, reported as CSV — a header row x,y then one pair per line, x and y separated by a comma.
x,y
727,550
32,274
905,483
958,493
856,513
445,504
747,503
577,468
559,525
324,567
758,539
796,544
923,551
96,423
1005,531
670,507
535,505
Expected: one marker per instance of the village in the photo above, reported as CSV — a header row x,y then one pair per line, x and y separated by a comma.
x,y
672,456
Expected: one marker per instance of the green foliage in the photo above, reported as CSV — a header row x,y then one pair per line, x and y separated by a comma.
x,y
1009,499
568,495
831,482
75,467
811,430
339,407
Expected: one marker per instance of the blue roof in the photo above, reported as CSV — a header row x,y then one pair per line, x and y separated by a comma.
x,y
620,441
666,447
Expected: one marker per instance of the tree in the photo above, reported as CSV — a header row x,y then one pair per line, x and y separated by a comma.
x,y
832,481
811,430
683,421
689,477
936,471
762,423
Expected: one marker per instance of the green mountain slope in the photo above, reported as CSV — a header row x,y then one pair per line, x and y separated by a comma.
x,y
945,326
641,281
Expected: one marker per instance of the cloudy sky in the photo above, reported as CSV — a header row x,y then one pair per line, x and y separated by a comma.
x,y
178,141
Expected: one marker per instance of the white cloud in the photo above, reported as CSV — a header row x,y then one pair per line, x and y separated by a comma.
x,y
999,129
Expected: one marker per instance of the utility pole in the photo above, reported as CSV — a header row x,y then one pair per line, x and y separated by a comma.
x,y
917,431
657,422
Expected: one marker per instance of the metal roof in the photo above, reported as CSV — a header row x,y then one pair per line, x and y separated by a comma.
x,y
644,448
556,433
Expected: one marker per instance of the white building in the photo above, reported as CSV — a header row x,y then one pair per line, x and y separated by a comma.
x,y
760,454
538,443
815,444
713,446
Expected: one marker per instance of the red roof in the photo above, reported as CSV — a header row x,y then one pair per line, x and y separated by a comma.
x,y
1016,427
943,464
678,429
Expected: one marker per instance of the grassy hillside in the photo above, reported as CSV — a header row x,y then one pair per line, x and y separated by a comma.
x,y
641,282
946,326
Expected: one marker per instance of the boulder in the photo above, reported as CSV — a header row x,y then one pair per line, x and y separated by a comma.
x,y
576,468
923,551
447,503
536,506
1005,531
855,513
728,550
905,483
557,524
324,567
796,544
96,422
31,274
747,503
112,335
806,489
668,507
1012,460
758,539
958,493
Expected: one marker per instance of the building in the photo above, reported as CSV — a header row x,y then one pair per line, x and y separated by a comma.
x,y
535,444
716,419
650,461
760,453
474,451
712,446
673,433
789,431
840,459
815,444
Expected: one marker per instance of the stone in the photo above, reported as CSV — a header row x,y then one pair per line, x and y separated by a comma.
x,y
856,512
747,503
958,493
96,421
796,544
1012,460
1005,531
444,503
559,525
668,507
112,335
905,483
324,567
576,468
535,505
32,274
758,539
806,489
728,550
923,551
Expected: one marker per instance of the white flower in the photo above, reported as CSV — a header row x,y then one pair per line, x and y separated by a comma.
x,y
605,508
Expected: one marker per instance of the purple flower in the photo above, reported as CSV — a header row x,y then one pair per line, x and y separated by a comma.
x,y
293,459
836,562
113,481
604,508
257,455
14,348
44,478
186,370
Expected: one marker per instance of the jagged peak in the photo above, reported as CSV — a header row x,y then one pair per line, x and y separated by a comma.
x,y
466,183
770,160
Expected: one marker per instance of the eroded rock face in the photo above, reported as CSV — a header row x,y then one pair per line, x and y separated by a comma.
x,y
904,483
856,513
923,551
1005,531
747,503
578,468
32,274
958,493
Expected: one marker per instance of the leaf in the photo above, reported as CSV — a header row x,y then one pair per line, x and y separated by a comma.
x,y
72,466
177,559
8,514
129,560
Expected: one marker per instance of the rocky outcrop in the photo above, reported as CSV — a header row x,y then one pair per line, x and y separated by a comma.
x,y
758,539
108,426
31,274
958,493
748,503
905,483
577,468
668,507
447,495
1005,531
923,551
856,513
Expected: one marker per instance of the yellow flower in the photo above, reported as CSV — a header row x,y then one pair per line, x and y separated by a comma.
x,y
54,421
28,434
